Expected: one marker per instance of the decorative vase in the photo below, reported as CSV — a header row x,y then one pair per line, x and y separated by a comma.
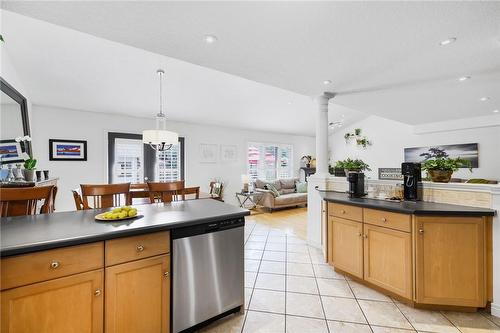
x,y
29,175
313,163
440,176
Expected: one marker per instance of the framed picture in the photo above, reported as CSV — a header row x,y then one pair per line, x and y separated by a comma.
x,y
67,150
10,152
467,151
228,153
390,173
208,153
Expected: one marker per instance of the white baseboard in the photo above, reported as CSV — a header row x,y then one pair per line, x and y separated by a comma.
x,y
495,309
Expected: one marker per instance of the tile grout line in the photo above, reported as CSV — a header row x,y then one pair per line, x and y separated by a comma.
x,y
449,320
359,306
491,321
397,307
319,293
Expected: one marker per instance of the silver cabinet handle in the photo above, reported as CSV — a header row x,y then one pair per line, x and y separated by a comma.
x,y
140,248
97,292
365,236
360,234
166,274
55,264
342,211
421,231
384,219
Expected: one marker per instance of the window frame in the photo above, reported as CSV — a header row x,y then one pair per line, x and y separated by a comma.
x,y
276,145
149,155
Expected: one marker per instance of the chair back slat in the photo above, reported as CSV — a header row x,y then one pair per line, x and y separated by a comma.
x,y
24,201
105,195
165,192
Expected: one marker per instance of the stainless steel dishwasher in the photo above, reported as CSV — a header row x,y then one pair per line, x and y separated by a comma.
x,y
207,271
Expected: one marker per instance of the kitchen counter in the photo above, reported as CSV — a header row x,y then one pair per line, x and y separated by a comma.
x,y
24,234
407,207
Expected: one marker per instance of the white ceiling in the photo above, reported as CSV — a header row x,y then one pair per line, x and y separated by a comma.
x,y
384,58
66,68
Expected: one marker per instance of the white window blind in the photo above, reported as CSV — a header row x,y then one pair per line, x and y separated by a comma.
x,y
269,161
168,165
128,166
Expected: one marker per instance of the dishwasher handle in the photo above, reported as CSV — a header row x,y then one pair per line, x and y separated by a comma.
x,y
207,228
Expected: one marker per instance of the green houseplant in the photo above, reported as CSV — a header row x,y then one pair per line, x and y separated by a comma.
x,y
440,169
350,165
29,169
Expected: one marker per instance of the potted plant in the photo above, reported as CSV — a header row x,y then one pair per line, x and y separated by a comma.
x,y
350,165
441,168
29,169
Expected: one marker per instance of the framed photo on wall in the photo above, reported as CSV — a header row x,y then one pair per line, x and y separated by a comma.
x,y
67,150
10,152
208,153
228,153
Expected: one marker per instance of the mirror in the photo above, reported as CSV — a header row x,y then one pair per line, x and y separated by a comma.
x,y
13,123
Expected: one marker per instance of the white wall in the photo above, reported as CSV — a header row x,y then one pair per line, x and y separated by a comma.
x,y
56,123
391,137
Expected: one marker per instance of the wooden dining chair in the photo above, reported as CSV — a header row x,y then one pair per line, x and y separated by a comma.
x,y
189,191
24,201
78,199
165,192
105,195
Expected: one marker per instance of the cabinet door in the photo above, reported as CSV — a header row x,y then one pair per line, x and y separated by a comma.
x,y
138,296
69,304
450,261
347,246
387,259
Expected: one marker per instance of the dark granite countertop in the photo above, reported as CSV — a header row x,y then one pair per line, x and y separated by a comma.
x,y
24,234
407,207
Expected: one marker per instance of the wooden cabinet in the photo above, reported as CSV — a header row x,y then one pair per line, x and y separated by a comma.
x,y
68,304
450,261
388,259
345,211
138,296
347,245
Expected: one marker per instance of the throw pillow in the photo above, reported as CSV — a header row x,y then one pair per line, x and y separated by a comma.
x,y
273,189
301,187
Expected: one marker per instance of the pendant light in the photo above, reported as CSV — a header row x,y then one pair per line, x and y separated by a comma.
x,y
160,139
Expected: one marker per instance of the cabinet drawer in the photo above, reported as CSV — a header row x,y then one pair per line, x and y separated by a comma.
x,y
388,219
137,247
46,265
345,211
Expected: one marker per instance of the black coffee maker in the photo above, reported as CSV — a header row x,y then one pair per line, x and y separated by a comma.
x,y
412,181
356,184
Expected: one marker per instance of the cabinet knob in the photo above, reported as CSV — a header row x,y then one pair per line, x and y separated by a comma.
x,y
360,234
365,236
166,274
384,219
55,264
421,231
97,292
140,248
342,211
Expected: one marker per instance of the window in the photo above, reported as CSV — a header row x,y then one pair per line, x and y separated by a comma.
x,y
129,160
269,161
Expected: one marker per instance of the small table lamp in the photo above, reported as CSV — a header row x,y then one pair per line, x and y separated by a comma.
x,y
245,180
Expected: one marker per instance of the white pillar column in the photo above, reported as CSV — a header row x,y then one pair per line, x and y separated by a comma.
x,y
319,179
322,134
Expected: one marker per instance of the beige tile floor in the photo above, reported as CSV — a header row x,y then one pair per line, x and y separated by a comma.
x,y
290,289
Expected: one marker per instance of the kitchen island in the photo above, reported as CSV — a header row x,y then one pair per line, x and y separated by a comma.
x,y
65,272
425,254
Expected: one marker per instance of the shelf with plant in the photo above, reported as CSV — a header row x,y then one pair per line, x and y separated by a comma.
x,y
360,140
350,165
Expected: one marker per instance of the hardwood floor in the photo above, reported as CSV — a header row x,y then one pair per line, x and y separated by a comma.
x,y
291,221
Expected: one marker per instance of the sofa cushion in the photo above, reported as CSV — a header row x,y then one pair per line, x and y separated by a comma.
x,y
301,187
291,199
260,184
288,183
271,187
287,190
276,183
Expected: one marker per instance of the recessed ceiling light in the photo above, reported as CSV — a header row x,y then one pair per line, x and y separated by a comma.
x,y
327,82
463,78
495,111
484,99
210,39
447,41
289,103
